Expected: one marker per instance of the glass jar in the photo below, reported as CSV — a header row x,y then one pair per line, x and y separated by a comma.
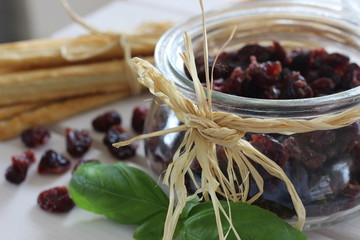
x,y
327,177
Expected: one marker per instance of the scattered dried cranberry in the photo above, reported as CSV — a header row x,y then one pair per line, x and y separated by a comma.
x,y
53,162
78,142
82,162
118,134
36,136
138,118
104,122
16,173
55,200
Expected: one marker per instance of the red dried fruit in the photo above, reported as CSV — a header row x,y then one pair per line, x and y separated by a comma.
x,y
351,190
54,163
297,88
36,136
312,159
279,53
16,173
271,148
263,74
78,142
322,86
55,200
82,162
138,118
117,134
233,85
104,122
261,53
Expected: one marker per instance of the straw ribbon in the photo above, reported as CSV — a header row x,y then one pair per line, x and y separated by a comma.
x,y
212,131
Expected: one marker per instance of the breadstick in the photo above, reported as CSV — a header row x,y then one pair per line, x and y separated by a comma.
x,y
45,53
62,82
9,111
54,112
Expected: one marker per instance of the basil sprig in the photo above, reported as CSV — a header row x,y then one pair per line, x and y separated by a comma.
x,y
123,194
129,196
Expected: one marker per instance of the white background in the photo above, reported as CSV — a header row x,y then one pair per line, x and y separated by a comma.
x,y
21,218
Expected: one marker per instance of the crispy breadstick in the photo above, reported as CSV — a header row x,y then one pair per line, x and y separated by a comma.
x,y
9,111
54,112
61,82
45,53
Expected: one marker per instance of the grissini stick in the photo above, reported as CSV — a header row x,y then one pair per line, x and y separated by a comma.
x,y
44,53
55,112
62,82
9,111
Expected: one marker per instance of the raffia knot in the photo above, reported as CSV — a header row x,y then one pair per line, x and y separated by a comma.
x,y
214,131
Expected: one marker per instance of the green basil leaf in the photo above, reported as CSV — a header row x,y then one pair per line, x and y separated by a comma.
x,y
251,223
152,229
188,207
123,194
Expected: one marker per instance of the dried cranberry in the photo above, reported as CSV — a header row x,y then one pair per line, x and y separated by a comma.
x,y
263,74
323,86
220,70
292,145
117,134
82,162
78,142
279,53
351,190
233,85
104,122
271,148
297,88
350,76
55,200
138,118
355,154
261,53
36,136
53,162
16,173
334,60
312,159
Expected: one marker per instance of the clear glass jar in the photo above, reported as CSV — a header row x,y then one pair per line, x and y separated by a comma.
x,y
330,190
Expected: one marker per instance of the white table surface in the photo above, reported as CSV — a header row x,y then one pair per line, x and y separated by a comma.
x,y
22,219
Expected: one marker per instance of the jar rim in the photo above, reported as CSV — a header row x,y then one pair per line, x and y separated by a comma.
x,y
169,66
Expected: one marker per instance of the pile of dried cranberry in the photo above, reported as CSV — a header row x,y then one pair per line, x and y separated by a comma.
x,y
78,142
272,73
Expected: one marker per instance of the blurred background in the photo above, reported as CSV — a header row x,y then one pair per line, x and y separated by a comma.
x,y
26,19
